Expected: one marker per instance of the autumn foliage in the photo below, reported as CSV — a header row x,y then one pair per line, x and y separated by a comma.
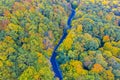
x,y
30,29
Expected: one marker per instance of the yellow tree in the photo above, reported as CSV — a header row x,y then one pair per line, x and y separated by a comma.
x,y
67,43
73,70
79,28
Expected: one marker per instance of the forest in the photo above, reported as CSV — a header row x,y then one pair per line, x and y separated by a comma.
x,y
30,30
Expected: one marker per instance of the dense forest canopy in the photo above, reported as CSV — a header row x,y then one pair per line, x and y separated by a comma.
x,y
30,29
91,50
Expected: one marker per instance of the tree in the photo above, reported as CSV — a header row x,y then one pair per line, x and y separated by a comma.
x,y
74,4
73,70
92,44
106,38
97,68
79,28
